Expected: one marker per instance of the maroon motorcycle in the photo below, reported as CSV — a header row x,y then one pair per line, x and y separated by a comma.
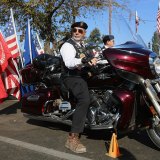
x,y
124,88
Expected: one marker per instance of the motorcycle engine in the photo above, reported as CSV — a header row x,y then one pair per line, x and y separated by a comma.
x,y
104,108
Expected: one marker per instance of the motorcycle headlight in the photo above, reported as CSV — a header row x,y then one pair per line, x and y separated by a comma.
x,y
157,65
154,62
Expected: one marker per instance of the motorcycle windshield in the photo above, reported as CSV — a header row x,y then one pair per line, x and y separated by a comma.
x,y
124,33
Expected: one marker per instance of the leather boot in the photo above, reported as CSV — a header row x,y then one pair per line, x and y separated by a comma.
x,y
73,143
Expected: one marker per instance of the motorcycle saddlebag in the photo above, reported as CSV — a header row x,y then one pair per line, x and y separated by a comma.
x,y
33,102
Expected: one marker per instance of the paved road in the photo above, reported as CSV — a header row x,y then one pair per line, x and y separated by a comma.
x,y
23,139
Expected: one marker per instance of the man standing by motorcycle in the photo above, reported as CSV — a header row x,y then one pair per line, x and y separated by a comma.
x,y
74,59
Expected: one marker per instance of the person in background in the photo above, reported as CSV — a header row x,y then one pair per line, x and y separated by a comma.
x,y
108,41
74,59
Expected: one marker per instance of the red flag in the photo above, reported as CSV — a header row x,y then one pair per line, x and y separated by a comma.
x,y
3,93
158,20
136,21
4,54
12,80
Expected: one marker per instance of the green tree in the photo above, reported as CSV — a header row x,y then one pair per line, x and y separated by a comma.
x,y
50,18
95,37
155,43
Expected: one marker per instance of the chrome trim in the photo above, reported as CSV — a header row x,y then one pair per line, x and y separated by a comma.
x,y
156,121
155,80
157,87
152,94
33,98
45,108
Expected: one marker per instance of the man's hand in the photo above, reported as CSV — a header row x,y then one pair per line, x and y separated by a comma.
x,y
93,62
82,55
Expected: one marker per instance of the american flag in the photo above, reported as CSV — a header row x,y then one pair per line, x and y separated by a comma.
x,y
158,20
12,80
11,73
11,38
39,48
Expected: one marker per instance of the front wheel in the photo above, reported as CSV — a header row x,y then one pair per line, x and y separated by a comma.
x,y
154,134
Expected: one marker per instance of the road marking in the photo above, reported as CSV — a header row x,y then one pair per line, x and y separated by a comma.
x,y
41,149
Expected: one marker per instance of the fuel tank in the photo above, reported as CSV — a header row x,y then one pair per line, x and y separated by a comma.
x,y
130,57
109,82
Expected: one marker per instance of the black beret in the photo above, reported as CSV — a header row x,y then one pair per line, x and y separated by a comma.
x,y
107,38
80,25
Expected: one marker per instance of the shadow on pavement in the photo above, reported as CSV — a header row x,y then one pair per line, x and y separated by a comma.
x,y
10,108
51,125
90,134
143,138
105,135
126,155
98,134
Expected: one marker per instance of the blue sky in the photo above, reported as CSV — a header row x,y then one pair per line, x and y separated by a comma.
x,y
147,12
146,9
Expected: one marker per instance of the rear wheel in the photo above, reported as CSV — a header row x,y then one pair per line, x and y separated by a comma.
x,y
154,134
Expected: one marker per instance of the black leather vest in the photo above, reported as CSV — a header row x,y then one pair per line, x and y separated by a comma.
x,y
73,72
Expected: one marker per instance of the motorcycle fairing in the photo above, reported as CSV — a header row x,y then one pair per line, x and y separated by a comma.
x,y
127,100
130,58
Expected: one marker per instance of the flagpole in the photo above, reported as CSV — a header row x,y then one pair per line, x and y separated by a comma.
x,y
29,39
136,21
38,40
110,16
16,36
17,45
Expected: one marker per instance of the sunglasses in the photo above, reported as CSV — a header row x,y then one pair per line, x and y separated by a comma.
x,y
81,31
